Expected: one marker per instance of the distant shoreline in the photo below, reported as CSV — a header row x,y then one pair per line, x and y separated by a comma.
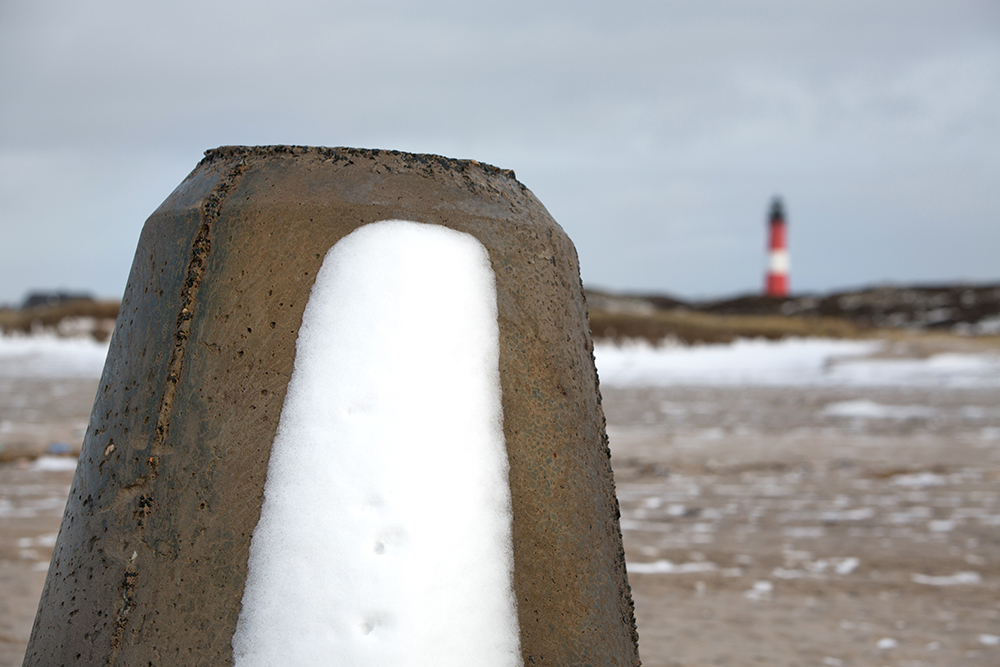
x,y
965,310
971,311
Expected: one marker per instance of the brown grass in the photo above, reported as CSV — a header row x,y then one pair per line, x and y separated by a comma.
x,y
695,327
49,317
678,324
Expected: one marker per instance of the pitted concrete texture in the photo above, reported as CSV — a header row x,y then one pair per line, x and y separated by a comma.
x,y
152,554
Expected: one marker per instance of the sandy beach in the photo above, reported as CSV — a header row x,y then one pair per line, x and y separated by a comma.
x,y
814,522
762,527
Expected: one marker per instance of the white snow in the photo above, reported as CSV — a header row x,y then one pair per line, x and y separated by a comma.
x,y
385,533
791,362
817,568
865,409
760,592
669,567
782,573
54,463
967,578
941,526
39,541
920,479
952,370
47,356
804,532
847,565
828,516
988,326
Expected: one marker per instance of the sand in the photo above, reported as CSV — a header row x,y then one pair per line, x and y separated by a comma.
x,y
805,526
798,536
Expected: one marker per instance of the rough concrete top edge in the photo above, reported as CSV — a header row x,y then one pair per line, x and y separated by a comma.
x,y
343,152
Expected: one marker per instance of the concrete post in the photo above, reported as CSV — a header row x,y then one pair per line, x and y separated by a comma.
x,y
152,557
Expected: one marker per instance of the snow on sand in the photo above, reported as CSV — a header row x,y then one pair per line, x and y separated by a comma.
x,y
789,362
47,356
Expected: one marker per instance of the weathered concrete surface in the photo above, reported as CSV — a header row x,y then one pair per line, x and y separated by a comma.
x,y
152,554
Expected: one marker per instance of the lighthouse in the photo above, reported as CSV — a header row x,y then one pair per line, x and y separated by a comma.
x,y
776,283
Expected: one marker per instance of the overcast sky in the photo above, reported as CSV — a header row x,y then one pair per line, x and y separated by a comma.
x,y
655,133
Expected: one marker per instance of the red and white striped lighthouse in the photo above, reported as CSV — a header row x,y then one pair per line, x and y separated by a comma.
x,y
777,269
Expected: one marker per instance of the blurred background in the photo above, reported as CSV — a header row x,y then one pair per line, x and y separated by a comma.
x,y
655,132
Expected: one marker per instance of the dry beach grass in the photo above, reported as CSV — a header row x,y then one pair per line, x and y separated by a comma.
x,y
75,317
693,327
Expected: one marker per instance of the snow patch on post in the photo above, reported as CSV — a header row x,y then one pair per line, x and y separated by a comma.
x,y
385,532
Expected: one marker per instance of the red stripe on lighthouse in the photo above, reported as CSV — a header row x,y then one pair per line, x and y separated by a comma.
x,y
776,283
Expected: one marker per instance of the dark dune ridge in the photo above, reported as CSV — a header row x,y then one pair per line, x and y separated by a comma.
x,y
961,309
956,308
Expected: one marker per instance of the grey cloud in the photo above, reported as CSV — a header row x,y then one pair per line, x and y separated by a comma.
x,y
655,132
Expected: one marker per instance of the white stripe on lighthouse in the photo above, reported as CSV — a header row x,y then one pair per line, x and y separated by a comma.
x,y
385,532
779,261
